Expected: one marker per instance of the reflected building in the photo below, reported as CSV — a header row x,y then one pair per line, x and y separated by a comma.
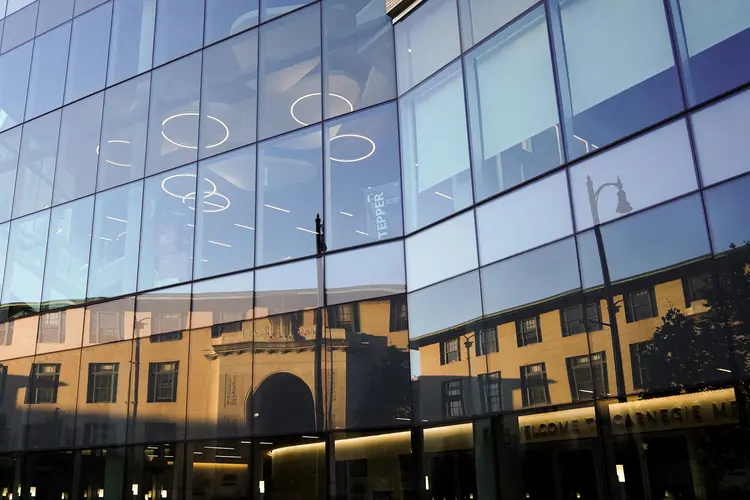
x,y
374,249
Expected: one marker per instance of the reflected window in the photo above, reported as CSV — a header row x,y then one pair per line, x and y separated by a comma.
x,y
290,73
587,376
528,331
425,41
453,399
109,322
122,151
345,317
450,351
162,382
640,304
179,29
435,149
52,328
486,341
639,366
225,219
10,144
102,383
132,40
19,27
513,107
36,165
363,199
639,84
573,321
48,67
534,385
14,81
173,116
229,95
44,383
87,64
24,267
696,287
224,19
491,391
163,312
167,228
290,195
480,18
399,320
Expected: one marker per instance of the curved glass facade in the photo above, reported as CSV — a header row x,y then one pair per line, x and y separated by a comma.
x,y
282,249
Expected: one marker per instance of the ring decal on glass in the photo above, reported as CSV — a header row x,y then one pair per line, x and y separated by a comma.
x,y
189,146
116,141
218,203
354,136
307,96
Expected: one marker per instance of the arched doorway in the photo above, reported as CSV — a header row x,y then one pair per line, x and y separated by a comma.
x,y
282,404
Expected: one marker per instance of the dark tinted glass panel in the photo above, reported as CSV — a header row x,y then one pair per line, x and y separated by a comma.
x,y
87,66
179,29
19,27
219,465
51,474
48,68
132,39
156,468
725,205
10,142
102,469
14,81
36,165
224,18
299,470
52,13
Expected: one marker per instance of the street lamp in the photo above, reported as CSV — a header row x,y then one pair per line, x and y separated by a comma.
x,y
623,206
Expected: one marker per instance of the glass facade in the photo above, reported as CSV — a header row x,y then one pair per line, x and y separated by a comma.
x,y
283,249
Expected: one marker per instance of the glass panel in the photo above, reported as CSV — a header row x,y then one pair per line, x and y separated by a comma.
x,y
48,71
275,8
53,13
19,27
102,471
425,41
547,272
298,469
435,149
87,66
719,133
375,271
716,41
4,235
630,92
209,464
155,469
36,165
449,461
14,5
14,82
22,289
589,260
122,151
479,18
51,474
18,340
534,215
650,169
513,106
84,5
114,247
222,300
167,229
179,29
290,195
290,79
16,413
288,287
76,154
657,239
229,94
131,44
163,311
225,233
441,251
725,205
66,270
225,19
109,322
173,116
10,143
363,192
357,74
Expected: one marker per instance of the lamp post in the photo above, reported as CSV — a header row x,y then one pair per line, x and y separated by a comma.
x,y
468,345
623,207
320,249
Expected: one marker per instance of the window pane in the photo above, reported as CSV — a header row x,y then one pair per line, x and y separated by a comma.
x,y
639,84
531,277
179,29
534,215
726,206
651,169
513,106
441,251
132,39
48,71
222,300
426,41
36,165
53,13
375,271
719,133
363,192
22,289
87,67
225,234
10,143
288,287
274,8
66,271
19,27
122,151
76,155
114,246
60,330
589,259
14,81
290,78
224,18
162,311
439,307
717,38
357,74
435,149
229,94
173,117
167,229
14,5
290,195
660,238
479,18
109,322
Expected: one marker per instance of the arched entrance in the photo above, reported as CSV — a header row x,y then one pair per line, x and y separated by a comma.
x,y
282,404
